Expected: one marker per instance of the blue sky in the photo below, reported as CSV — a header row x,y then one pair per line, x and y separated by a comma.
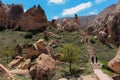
x,y
65,8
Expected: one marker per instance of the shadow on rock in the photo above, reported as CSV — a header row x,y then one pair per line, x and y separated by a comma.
x,y
116,78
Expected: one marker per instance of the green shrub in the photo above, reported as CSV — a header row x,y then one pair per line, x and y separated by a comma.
x,y
92,39
106,69
2,27
17,28
46,38
28,35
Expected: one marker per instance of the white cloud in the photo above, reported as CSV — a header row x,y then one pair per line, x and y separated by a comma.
x,y
55,17
99,1
57,1
78,8
92,13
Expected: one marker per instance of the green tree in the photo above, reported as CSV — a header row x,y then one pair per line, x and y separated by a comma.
x,y
71,54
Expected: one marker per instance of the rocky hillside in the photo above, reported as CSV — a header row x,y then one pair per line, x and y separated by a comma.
x,y
108,21
83,20
13,15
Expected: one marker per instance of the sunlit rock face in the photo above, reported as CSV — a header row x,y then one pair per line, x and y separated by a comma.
x,y
33,19
13,16
114,64
109,18
37,48
44,67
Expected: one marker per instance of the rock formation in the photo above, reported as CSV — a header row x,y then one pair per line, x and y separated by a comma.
x,y
14,12
71,25
76,19
13,16
66,24
15,62
33,19
44,68
25,73
109,18
48,34
35,49
114,64
54,23
6,73
25,64
114,27
102,36
4,20
41,68
58,56
10,14
82,20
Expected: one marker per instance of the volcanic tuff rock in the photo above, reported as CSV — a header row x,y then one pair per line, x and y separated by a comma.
x,y
33,19
109,18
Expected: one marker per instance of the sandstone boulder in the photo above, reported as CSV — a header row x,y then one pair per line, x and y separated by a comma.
x,y
67,26
48,34
25,73
114,64
58,56
54,23
82,41
53,43
15,62
24,65
35,49
31,52
71,25
5,74
44,68
75,27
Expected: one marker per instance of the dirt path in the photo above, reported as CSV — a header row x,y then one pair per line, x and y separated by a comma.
x,y
94,64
